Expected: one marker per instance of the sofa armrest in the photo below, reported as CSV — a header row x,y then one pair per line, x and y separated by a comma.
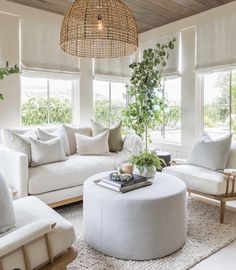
x,y
23,236
178,161
14,168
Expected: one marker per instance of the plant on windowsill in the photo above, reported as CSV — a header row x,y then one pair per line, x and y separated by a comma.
x,y
147,163
6,72
147,106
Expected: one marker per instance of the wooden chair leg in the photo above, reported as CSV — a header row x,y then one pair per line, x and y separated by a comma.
x,y
222,211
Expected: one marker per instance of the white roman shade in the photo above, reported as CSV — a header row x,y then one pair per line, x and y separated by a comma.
x,y
172,68
40,46
114,67
216,44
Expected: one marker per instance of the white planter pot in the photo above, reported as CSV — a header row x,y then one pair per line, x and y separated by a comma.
x,y
148,172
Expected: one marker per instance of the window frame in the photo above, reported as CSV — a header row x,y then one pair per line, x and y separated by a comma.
x,y
53,76
111,80
202,92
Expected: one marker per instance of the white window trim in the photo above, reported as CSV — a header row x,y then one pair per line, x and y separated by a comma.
x,y
56,76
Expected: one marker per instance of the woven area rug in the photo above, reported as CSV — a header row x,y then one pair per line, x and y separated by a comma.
x,y
205,236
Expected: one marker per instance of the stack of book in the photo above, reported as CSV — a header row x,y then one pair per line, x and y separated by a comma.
x,y
123,186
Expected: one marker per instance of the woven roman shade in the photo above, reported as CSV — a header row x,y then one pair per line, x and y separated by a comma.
x,y
216,44
99,29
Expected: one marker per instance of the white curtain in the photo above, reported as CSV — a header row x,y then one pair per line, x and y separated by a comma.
x,y
172,67
216,44
40,46
115,67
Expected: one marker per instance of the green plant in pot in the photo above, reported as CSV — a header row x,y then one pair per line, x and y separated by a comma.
x,y
6,72
147,106
147,163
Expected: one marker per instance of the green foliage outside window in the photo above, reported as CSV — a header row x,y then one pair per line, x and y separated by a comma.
x,y
107,115
40,111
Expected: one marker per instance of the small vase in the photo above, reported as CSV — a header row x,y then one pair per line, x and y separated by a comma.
x,y
148,172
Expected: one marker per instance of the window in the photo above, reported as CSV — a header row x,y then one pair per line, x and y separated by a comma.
x,y
109,100
171,131
219,103
46,101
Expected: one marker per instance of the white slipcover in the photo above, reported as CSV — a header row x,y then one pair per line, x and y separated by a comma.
x,y
31,212
199,179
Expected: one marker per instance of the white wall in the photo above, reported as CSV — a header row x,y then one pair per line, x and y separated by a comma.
x,y
190,91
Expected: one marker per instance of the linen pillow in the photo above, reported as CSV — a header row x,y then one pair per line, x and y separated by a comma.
x,y
21,143
97,145
210,154
70,133
115,140
7,220
47,152
59,132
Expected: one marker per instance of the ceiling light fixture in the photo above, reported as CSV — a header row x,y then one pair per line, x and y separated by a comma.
x,y
99,29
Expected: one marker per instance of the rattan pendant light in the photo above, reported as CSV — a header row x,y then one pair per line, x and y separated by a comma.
x,y
99,29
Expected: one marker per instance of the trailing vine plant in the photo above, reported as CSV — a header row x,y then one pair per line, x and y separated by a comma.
x,y
6,72
147,104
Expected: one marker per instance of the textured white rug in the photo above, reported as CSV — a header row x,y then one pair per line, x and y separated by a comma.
x,y
205,236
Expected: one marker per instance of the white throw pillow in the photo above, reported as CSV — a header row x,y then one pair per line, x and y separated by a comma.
x,y
97,145
47,152
59,132
21,143
70,133
210,154
7,216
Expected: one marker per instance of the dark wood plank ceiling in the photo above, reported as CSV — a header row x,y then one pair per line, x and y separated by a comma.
x,y
149,14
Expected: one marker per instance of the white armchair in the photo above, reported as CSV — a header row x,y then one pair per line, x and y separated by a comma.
x,y
41,238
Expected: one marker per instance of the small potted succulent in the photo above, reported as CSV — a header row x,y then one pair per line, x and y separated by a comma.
x,y
147,163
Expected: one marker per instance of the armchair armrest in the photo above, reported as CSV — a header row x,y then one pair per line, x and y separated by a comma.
x,y
14,167
178,161
24,235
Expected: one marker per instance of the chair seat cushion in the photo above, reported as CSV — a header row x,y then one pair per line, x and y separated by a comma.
x,y
199,179
29,210
70,173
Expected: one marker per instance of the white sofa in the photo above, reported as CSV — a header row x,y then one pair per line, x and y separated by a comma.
x,y
61,182
202,181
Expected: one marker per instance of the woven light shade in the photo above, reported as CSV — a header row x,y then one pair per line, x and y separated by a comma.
x,y
99,29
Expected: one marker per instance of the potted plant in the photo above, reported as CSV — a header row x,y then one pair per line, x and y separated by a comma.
x,y
147,105
6,72
147,163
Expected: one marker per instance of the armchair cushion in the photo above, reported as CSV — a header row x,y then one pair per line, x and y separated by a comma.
x,y
199,179
7,216
211,154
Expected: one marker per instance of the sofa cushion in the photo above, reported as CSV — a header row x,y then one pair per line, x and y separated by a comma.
x,y
210,154
31,209
231,164
97,145
47,152
43,135
70,132
72,172
115,140
199,179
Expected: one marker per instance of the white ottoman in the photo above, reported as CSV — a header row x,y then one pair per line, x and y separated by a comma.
x,y
143,224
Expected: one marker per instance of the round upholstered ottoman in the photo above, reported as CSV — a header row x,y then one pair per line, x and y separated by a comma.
x,y
143,224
